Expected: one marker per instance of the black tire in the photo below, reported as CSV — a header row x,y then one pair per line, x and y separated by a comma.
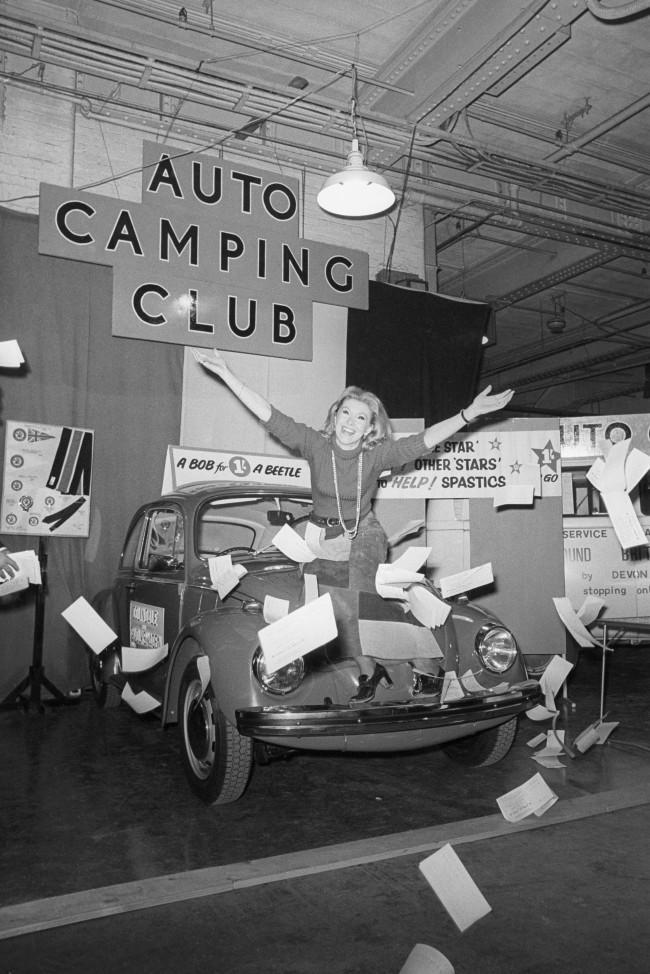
x,y
487,747
217,760
105,693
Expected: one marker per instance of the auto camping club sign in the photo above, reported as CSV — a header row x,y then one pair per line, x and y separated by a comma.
x,y
212,256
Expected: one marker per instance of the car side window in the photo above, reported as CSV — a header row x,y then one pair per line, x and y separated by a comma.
x,y
164,548
133,544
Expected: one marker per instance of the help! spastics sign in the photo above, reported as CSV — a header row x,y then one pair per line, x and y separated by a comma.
x,y
185,465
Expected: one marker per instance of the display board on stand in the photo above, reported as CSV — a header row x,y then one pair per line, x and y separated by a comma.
x,y
46,490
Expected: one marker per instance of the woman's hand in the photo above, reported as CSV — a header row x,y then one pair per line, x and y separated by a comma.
x,y
486,403
214,362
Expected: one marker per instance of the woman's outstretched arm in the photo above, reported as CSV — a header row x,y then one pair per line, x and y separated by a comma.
x,y
482,404
253,401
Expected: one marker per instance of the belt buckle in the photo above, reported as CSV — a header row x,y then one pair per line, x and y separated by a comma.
x,y
332,522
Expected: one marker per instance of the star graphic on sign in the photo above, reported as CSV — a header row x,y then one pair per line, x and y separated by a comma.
x,y
548,456
515,467
495,443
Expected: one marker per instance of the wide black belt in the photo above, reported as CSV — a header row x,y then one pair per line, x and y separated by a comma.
x,y
325,522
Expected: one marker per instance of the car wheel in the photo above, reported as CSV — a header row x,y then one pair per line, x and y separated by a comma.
x,y
105,694
486,747
216,758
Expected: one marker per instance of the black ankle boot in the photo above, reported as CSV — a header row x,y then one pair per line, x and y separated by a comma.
x,y
368,684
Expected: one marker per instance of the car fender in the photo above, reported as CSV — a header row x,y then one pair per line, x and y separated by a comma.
x,y
229,641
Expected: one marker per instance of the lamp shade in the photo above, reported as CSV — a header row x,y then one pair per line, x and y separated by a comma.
x,y
355,190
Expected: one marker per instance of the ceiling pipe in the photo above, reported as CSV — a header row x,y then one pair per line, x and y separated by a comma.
x,y
604,12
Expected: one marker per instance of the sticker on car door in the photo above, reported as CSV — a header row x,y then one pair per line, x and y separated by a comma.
x,y
146,625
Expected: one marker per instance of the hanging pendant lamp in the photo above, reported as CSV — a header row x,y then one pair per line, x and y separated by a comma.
x,y
355,190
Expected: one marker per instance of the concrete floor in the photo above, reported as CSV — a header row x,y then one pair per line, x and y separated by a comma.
x,y
324,851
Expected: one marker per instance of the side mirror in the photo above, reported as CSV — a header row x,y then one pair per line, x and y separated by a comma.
x,y
278,518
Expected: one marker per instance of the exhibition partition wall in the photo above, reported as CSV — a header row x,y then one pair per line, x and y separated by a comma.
x,y
128,392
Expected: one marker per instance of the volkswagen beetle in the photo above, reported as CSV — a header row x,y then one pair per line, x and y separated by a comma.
x,y
193,656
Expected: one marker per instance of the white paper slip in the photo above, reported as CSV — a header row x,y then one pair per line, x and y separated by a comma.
x,y
464,581
304,629
412,559
596,733
292,545
451,687
590,610
426,960
536,740
311,587
554,675
454,887
136,659
203,667
517,495
141,702
533,797
637,465
224,576
573,624
391,582
89,625
427,607
11,356
29,572
274,608
541,713
613,473
624,519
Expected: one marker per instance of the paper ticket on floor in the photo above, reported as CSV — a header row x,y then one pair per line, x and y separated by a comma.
x,y
534,797
454,887
304,629
426,960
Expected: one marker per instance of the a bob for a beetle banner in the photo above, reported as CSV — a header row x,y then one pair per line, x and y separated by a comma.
x,y
211,257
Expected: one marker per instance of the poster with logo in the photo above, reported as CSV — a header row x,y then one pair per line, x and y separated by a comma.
x,y
188,465
481,464
46,482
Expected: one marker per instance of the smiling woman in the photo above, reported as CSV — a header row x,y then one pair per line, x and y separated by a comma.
x,y
346,459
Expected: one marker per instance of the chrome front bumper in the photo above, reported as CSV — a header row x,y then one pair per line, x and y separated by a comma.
x,y
336,720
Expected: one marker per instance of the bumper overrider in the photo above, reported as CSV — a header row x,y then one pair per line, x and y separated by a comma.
x,y
377,718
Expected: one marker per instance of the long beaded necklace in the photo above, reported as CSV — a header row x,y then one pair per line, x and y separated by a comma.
x,y
348,533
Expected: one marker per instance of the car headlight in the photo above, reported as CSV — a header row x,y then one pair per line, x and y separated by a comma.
x,y
281,681
496,647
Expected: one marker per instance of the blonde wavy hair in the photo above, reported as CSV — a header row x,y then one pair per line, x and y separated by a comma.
x,y
380,428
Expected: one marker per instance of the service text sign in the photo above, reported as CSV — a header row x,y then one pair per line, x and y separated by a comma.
x,y
212,257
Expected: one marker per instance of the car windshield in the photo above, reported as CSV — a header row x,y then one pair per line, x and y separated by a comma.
x,y
248,523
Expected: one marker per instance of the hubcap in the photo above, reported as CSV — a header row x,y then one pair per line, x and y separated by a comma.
x,y
200,735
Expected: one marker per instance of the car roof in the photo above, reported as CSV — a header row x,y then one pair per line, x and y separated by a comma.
x,y
201,490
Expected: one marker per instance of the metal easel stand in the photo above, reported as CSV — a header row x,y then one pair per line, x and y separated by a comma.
x,y
28,692
598,732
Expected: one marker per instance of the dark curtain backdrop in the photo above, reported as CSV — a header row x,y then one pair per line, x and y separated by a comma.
x,y
78,374
419,352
